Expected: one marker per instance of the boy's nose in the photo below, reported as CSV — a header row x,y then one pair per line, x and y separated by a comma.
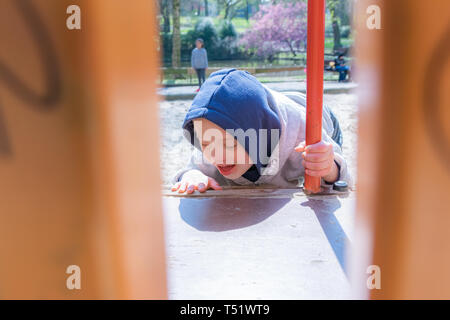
x,y
220,157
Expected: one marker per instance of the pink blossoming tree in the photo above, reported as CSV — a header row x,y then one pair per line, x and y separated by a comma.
x,y
277,27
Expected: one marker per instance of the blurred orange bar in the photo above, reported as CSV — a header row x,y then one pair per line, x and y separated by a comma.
x,y
79,151
403,211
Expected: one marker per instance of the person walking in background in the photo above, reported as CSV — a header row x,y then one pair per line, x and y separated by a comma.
x,y
199,61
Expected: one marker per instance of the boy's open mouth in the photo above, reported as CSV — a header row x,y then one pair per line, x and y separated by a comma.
x,y
225,169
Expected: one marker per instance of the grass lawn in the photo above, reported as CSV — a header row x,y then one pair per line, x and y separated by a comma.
x,y
346,42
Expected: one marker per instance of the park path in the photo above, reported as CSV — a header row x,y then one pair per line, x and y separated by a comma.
x,y
188,92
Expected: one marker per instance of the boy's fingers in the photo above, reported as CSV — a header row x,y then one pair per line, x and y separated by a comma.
x,y
317,173
190,189
317,165
300,147
318,147
176,186
214,184
317,156
201,187
183,187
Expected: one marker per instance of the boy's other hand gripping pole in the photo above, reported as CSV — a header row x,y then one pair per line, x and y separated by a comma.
x,y
314,81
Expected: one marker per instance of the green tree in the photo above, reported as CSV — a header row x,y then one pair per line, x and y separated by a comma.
x,y
229,6
176,34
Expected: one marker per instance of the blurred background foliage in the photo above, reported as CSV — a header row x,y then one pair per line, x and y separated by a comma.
x,y
238,30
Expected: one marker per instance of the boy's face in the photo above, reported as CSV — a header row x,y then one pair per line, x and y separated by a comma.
x,y
221,149
198,44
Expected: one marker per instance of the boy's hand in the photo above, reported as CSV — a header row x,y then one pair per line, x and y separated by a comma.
x,y
195,180
318,160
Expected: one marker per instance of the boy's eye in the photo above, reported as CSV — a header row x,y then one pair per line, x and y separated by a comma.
x,y
227,145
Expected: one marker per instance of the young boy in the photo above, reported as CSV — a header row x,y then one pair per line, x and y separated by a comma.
x,y
247,134
199,61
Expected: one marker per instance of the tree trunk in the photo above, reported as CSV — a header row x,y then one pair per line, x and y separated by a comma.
x,y
229,9
227,12
165,11
247,10
206,8
332,5
291,48
336,35
176,38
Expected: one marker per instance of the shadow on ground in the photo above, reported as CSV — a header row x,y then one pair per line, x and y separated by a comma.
x,y
223,214
325,213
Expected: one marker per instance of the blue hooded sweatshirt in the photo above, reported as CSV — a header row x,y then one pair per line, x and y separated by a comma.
x,y
234,99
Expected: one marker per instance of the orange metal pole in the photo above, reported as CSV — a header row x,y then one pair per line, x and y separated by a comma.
x,y
314,80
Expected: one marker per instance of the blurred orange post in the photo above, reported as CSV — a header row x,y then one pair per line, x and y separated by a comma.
x,y
314,80
403,210
79,151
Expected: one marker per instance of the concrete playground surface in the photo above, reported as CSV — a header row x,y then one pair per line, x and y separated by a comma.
x,y
275,246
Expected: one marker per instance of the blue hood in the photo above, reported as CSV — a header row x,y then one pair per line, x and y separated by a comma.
x,y
234,99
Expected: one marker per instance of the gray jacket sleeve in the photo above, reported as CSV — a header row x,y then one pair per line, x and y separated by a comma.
x,y
338,158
